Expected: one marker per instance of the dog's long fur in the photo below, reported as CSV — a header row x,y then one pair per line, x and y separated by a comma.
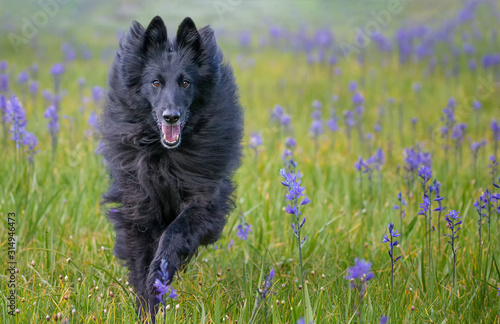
x,y
166,202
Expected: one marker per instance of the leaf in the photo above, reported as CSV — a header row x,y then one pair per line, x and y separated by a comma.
x,y
309,310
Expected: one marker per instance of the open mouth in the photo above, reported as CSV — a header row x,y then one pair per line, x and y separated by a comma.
x,y
171,135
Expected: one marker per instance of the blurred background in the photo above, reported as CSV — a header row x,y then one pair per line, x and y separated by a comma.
x,y
94,25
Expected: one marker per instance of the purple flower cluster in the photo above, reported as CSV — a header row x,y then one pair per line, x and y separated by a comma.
x,y
287,156
458,133
23,77
316,128
414,157
53,120
53,124
279,116
69,52
292,181
453,221
97,94
255,140
393,233
360,270
161,284
242,230
15,115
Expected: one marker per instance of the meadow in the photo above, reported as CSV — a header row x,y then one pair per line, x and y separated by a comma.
x,y
400,128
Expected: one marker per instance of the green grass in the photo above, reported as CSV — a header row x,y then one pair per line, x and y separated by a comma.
x,y
58,215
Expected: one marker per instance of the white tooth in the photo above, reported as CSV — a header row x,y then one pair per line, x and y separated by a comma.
x,y
177,138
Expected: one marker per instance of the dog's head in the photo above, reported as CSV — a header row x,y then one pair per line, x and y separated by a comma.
x,y
169,80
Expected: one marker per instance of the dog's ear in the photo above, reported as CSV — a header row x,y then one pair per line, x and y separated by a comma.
x,y
156,34
136,30
210,44
188,36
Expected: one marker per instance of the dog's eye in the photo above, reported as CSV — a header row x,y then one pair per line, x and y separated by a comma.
x,y
156,83
185,83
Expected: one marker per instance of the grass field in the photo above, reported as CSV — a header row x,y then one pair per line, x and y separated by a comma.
x,y
63,242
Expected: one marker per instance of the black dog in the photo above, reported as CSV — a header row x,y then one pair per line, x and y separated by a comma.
x,y
171,137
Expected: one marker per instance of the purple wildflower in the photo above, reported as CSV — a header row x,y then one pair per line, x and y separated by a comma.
x,y
290,143
332,124
349,120
360,165
93,120
316,128
243,230
52,115
317,104
97,94
23,77
57,69
30,140
472,65
161,284
255,140
34,87
425,173
286,120
360,270
277,113
458,133
53,125
393,233
16,117
34,70
476,104
4,82
453,222
3,65
357,99
353,86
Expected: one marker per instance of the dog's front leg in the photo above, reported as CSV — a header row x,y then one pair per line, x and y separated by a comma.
x,y
196,225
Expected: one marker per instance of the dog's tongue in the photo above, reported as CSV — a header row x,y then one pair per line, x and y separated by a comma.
x,y
171,132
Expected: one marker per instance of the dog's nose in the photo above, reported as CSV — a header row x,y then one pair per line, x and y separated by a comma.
x,y
171,117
